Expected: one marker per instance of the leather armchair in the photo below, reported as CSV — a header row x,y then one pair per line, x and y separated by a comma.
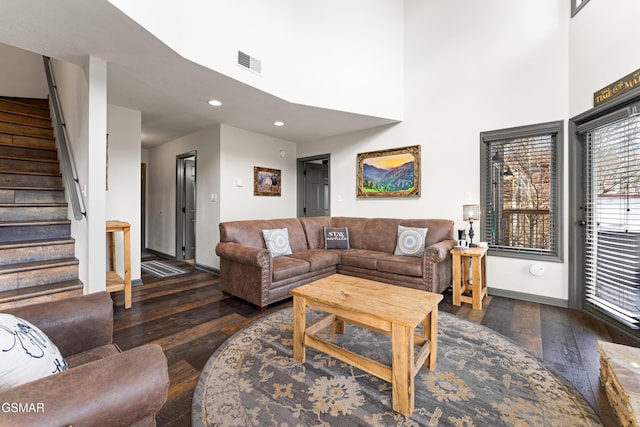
x,y
103,386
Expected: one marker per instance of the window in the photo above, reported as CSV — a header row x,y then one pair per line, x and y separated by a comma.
x,y
520,191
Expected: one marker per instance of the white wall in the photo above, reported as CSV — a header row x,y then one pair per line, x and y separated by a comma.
x,y
84,103
603,48
22,73
123,195
161,194
241,150
224,155
322,54
469,67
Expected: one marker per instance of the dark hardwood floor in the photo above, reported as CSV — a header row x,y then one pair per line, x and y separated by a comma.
x,y
189,318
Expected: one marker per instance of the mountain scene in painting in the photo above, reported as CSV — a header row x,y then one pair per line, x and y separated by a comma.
x,y
382,180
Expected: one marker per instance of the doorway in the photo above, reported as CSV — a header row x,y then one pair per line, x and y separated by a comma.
x,y
186,207
314,186
605,209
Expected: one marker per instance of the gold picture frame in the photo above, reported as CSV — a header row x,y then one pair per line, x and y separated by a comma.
x,y
266,181
389,173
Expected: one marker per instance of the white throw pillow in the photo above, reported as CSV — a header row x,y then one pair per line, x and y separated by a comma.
x,y
277,241
26,353
411,241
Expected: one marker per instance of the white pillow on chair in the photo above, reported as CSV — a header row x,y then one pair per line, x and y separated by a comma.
x,y
26,353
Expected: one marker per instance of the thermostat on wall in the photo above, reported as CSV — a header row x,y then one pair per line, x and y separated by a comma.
x,y
536,269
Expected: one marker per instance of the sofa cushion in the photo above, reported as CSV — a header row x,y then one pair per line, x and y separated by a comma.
x,y
277,241
336,237
361,258
381,234
249,232
96,353
356,229
313,229
410,241
406,265
26,353
285,267
317,258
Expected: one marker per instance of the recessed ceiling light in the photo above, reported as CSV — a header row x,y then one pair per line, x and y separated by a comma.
x,y
215,103
278,123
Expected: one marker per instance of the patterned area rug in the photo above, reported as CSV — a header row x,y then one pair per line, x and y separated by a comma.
x,y
161,269
481,379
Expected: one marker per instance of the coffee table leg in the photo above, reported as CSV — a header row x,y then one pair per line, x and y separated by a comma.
x,y
430,323
402,369
299,325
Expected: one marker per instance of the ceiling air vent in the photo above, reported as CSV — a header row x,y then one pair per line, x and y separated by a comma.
x,y
249,62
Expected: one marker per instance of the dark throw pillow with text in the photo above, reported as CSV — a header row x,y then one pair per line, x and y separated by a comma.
x,y
336,238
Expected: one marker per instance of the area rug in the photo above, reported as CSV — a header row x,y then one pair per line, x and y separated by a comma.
x,y
161,269
481,379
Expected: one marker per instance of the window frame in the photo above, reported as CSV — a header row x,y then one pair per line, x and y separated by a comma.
x,y
554,128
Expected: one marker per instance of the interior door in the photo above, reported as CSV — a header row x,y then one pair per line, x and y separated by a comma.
x,y
190,208
316,189
186,207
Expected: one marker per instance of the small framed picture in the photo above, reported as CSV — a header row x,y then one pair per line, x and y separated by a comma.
x,y
266,182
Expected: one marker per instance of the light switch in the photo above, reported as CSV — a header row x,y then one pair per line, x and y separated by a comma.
x,y
239,183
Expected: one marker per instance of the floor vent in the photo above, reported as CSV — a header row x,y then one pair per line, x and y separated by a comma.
x,y
249,62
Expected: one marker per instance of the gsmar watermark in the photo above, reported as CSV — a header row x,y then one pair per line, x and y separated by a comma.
x,y
21,407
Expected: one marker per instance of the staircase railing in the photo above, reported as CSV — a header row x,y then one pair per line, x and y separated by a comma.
x,y
69,171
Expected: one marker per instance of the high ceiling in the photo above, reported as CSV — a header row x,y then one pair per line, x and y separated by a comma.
x,y
145,75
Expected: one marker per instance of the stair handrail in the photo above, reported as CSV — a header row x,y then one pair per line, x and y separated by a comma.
x,y
66,155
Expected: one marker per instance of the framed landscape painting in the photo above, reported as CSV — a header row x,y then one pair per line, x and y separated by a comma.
x,y
266,182
389,173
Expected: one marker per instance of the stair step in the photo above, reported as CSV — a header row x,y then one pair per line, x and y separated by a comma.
x,y
36,250
37,103
30,179
18,276
16,231
33,211
25,130
24,119
19,152
35,195
27,142
42,293
23,164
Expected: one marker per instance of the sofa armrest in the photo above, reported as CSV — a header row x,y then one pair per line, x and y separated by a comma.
x,y
439,251
250,255
119,390
74,324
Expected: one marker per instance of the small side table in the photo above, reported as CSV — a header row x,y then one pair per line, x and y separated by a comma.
x,y
114,281
461,283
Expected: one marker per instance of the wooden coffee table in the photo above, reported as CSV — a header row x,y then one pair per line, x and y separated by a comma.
x,y
387,309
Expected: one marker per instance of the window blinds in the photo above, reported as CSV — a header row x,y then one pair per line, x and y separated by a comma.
x,y
521,196
612,217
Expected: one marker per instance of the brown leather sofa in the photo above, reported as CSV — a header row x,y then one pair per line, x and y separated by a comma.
x,y
248,271
103,386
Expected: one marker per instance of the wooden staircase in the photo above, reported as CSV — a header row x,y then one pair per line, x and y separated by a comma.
x,y
37,253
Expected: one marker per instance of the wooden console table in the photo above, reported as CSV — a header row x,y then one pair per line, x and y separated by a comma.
x,y
387,309
116,283
461,283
